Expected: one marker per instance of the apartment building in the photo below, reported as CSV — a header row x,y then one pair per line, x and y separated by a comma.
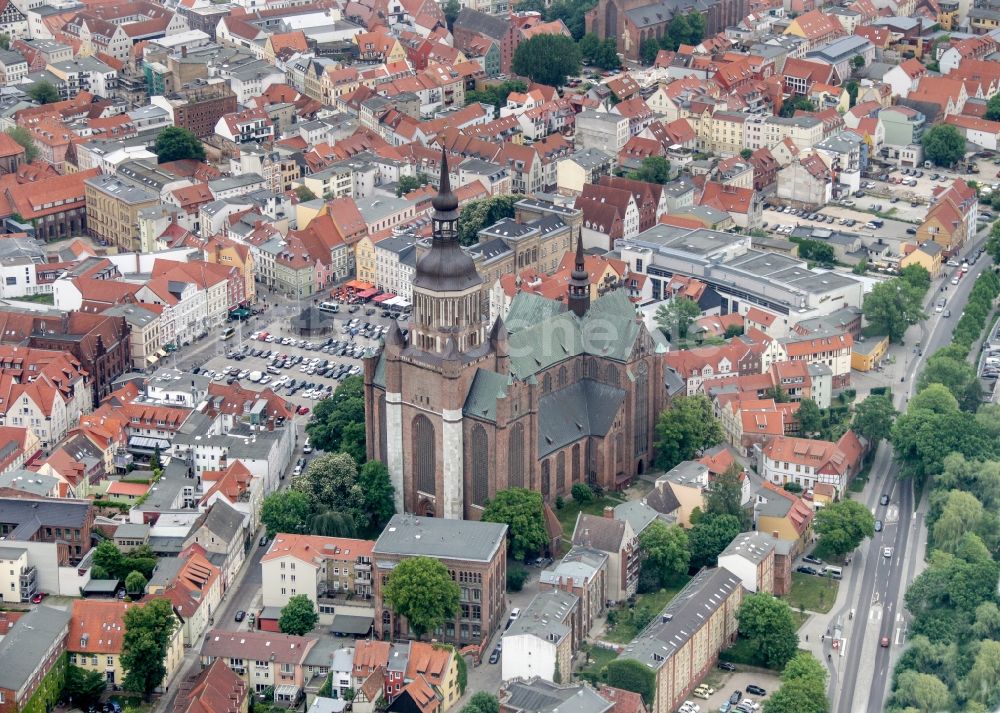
x,y
32,652
263,659
113,210
328,570
474,553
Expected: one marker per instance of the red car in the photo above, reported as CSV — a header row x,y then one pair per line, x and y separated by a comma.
x,y
303,410
37,599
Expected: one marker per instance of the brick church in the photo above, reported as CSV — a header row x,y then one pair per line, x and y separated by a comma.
x,y
632,22
560,393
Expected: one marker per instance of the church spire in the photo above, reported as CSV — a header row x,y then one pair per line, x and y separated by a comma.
x,y
579,283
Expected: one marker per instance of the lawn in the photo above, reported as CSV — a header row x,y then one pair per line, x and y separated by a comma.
x,y
812,593
631,620
598,658
567,515
44,298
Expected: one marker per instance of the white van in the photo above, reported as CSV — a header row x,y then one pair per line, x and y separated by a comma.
x,y
834,572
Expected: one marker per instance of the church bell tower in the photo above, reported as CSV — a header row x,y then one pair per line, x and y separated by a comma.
x,y
447,308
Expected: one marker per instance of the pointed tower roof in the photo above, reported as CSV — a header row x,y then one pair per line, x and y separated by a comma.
x,y
446,267
578,298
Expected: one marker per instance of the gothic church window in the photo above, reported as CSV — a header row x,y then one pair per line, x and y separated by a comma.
x,y
424,455
515,456
480,465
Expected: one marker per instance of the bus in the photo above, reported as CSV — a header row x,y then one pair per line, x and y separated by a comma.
x,y
329,307
227,333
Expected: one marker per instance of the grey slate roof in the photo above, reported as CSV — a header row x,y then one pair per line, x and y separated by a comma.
x,y
752,546
28,514
682,617
546,615
586,408
601,533
663,500
540,696
11,553
577,566
28,481
24,648
409,535
223,520
481,23
637,514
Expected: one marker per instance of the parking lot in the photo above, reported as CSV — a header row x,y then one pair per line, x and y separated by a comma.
x,y
726,683
304,370
836,217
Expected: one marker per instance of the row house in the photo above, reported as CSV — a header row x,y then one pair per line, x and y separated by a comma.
x,y
249,126
831,349
698,367
263,659
809,462
749,422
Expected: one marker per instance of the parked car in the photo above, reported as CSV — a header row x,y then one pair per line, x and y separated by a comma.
x,y
495,654
812,560
37,598
726,666
807,570
756,690
241,615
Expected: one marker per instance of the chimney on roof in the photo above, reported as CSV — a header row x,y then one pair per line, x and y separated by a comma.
x,y
774,534
609,512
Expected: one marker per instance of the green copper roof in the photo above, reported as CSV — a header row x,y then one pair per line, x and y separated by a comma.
x,y
487,388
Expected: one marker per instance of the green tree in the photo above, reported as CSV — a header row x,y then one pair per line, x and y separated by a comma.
x,y
842,526
483,213
653,169
154,460
648,51
495,94
330,430
790,106
108,557
921,691
696,28
768,622
4,41
675,317
331,482
685,429
451,10
745,154
582,493
858,61
43,92
959,513
873,418
993,108
892,306
516,577
943,145
665,550
547,59
678,32
22,136
916,276
482,702
521,510
955,374
298,616
333,523
803,687
724,495
176,143
379,495
852,88
815,251
410,183
589,45
422,590
710,536
982,683
606,56
148,630
304,194
631,675
135,583
83,688
286,511
809,418
987,621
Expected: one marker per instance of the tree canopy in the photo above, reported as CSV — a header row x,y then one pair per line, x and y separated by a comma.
x,y
949,368
44,92
298,616
600,53
111,563
287,511
521,510
451,10
873,418
482,702
631,675
768,622
993,108
710,536
22,136
803,687
495,94
547,59
724,495
809,417
176,143
148,630
675,317
790,106
84,688
665,549
483,213
653,169
422,590
685,429
943,145
892,306
410,183
843,525
337,423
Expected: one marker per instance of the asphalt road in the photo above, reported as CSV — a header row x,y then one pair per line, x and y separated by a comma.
x,y
879,612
